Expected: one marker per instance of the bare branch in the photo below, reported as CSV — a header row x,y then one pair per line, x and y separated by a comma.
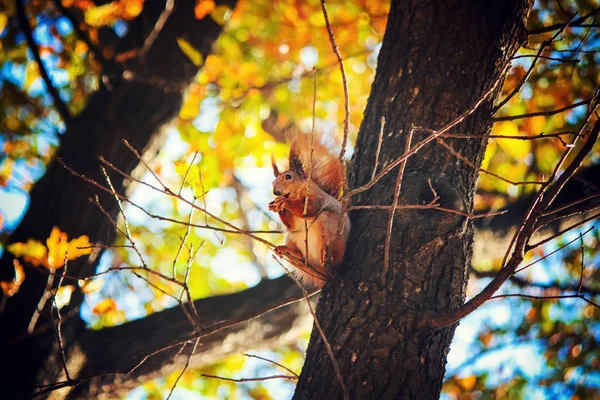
x,y
158,26
392,212
272,362
262,378
340,60
187,364
542,113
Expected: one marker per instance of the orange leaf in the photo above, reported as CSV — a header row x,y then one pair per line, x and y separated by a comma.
x,y
59,248
468,382
203,8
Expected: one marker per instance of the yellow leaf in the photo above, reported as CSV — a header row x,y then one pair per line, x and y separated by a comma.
x,y
101,15
490,151
194,55
11,288
3,21
32,252
235,362
203,8
519,149
91,286
31,74
105,306
221,14
78,247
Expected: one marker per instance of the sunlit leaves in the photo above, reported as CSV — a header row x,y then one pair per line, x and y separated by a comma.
x,y
106,14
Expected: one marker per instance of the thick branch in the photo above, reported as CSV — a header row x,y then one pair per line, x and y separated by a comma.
x,y
58,102
121,348
577,22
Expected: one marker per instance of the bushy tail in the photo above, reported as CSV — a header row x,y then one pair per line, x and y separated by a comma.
x,y
327,170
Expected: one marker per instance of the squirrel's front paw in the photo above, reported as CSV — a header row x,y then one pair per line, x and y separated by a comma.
x,y
277,205
285,251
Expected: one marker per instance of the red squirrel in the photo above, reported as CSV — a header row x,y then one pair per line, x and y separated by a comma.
x,y
324,210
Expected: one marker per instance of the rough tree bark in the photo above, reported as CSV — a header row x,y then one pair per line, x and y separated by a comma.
x,y
436,61
126,109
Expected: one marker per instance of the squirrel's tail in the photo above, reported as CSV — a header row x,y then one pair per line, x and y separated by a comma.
x,y
327,170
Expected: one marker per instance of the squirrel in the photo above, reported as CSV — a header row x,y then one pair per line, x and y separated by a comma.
x,y
323,213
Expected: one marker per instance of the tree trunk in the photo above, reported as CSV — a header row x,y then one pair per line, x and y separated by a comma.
x,y
436,61
133,109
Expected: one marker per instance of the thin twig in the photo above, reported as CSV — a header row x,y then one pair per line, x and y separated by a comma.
x,y
552,252
392,212
272,362
378,150
127,232
560,233
519,137
340,60
58,323
185,367
262,378
483,170
557,297
158,26
543,47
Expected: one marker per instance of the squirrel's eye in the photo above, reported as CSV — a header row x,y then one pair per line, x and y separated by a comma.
x,y
288,177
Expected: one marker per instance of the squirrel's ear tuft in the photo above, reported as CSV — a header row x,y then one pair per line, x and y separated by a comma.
x,y
275,169
296,166
295,159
